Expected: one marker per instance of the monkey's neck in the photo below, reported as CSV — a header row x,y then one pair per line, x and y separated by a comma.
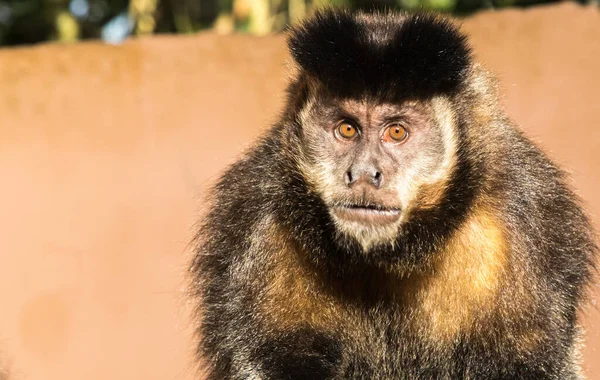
x,y
460,288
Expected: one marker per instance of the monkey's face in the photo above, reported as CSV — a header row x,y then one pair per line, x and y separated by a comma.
x,y
374,163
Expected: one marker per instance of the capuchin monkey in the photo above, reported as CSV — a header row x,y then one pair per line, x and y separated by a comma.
x,y
394,223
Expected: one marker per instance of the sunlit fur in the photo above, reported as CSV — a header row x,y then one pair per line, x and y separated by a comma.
x,y
481,277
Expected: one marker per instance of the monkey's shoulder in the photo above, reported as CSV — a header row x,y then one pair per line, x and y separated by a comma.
x,y
543,221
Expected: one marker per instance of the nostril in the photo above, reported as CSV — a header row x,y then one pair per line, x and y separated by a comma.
x,y
377,179
349,178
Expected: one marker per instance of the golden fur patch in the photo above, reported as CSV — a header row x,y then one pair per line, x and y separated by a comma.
x,y
462,284
464,290
295,295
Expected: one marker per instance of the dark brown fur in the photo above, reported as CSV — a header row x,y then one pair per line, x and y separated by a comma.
x,y
483,279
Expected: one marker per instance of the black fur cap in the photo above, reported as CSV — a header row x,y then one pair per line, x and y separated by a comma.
x,y
416,55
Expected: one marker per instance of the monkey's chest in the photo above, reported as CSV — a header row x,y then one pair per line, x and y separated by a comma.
x,y
378,349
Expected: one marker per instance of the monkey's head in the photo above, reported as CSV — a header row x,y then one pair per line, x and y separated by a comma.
x,y
374,106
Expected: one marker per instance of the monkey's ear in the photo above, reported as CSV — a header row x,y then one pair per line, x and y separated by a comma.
x,y
394,54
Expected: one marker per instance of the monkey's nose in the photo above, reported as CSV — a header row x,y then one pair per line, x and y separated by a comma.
x,y
360,178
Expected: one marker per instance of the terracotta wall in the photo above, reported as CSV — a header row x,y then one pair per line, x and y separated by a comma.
x,y
105,152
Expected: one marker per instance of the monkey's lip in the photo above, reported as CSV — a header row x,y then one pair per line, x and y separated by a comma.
x,y
367,214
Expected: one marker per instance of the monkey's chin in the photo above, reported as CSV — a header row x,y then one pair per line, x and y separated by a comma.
x,y
369,226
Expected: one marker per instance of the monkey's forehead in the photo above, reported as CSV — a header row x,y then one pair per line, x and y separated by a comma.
x,y
391,54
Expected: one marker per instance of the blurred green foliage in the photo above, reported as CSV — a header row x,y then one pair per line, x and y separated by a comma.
x,y
32,21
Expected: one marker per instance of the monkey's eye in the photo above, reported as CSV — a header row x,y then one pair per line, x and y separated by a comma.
x,y
346,130
395,133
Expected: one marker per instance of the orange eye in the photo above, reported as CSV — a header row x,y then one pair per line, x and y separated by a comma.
x,y
397,133
346,130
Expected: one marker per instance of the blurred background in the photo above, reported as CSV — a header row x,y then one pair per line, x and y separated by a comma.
x,y
33,21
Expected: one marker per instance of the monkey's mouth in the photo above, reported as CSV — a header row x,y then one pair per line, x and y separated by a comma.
x,y
367,214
